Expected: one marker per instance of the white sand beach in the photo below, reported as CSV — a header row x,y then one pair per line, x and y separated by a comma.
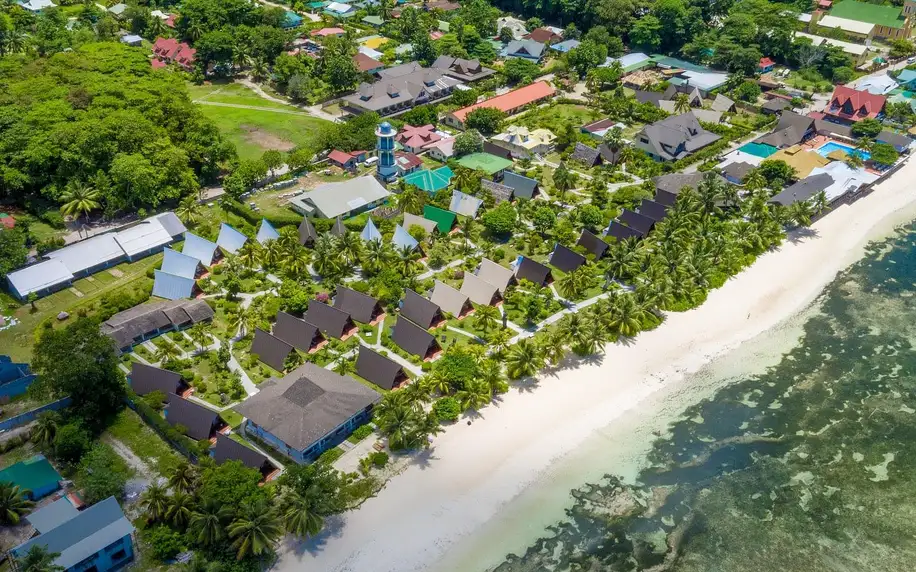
x,y
472,472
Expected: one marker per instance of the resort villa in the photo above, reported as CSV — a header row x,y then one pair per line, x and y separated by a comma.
x,y
341,199
674,138
509,103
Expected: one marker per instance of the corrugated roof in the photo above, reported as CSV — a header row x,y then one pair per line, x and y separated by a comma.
x,y
334,199
37,277
495,274
444,219
370,232
465,205
380,370
199,248
143,237
172,287
523,187
307,232
94,251
266,232
53,515
230,239
512,100
171,223
84,535
32,474
449,299
426,224
179,264
402,238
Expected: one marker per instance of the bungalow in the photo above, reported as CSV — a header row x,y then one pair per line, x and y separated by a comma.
x,y
366,64
587,156
270,349
370,232
500,193
417,139
524,144
545,35
296,332
290,20
420,311
480,291
227,449
450,300
403,240
307,412
592,243
140,323
765,65
736,172
509,103
565,46
653,210
638,222
461,69
406,163
380,370
430,181
169,50
792,129
361,307
229,239
266,232
332,322
598,129
445,221
621,231
327,32
530,50
413,339
522,187
495,274
145,379
442,150
200,248
674,138
342,159
411,220
492,165
339,10
99,538
565,259
803,190
307,232
200,423
465,205
533,271
848,105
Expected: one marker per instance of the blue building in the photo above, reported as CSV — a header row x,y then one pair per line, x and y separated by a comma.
x,y
35,475
15,378
387,171
307,412
98,539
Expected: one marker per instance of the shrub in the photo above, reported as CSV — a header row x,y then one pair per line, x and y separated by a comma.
x,y
164,543
498,254
361,433
71,442
330,455
379,459
447,409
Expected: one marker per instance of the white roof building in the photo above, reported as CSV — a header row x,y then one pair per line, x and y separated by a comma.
x,y
343,199
845,178
851,26
97,251
848,47
230,239
877,85
144,237
37,5
338,7
42,276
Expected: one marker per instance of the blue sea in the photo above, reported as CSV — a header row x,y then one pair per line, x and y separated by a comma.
x,y
807,465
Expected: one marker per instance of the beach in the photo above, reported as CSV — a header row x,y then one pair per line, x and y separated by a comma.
x,y
443,501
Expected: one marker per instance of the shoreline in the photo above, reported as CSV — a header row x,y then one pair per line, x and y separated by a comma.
x,y
425,515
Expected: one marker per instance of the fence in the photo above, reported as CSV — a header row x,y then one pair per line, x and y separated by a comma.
x,y
155,425
30,416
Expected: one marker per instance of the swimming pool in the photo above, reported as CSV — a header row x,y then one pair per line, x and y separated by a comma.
x,y
831,146
758,149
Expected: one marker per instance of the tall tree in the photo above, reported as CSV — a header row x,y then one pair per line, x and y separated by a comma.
x,y
255,529
14,503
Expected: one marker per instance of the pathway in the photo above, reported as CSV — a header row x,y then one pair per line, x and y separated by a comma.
x,y
394,357
234,365
550,320
431,273
313,110
252,107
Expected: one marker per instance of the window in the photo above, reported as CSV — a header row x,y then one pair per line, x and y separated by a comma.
x,y
119,555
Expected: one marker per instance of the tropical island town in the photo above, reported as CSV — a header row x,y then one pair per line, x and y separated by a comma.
x,y
258,257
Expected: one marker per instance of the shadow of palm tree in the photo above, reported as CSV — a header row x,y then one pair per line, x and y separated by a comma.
x,y
333,528
801,234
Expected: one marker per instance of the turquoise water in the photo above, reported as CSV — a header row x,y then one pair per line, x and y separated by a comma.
x,y
758,149
828,148
807,467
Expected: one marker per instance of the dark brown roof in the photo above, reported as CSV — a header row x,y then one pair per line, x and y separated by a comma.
x,y
147,379
532,271
494,149
331,321
655,211
585,154
665,198
418,309
636,221
565,259
592,243
675,182
307,404
361,307
197,419
500,192
338,229
128,326
269,349
295,332
378,369
412,338
307,232
622,231
738,171
228,449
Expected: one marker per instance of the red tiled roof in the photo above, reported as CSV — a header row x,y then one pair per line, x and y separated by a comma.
x,y
512,100
543,35
410,136
324,32
824,3
365,63
170,21
766,62
853,105
158,64
407,160
435,35
339,157
7,221
165,48
169,50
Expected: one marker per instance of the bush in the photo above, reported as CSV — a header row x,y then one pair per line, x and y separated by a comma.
x,y
71,442
331,455
164,543
447,409
102,474
379,459
498,255
361,433
49,244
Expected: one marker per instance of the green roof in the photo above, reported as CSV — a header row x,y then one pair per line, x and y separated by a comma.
x,y
35,474
889,16
374,20
489,164
444,219
444,26
430,181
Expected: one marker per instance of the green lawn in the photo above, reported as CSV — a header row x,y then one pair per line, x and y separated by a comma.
x,y
233,93
232,418
129,429
556,117
255,131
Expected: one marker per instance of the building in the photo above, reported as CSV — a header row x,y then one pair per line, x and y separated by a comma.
x,y
622,232
533,271
565,46
858,52
307,412
565,259
332,322
674,138
451,301
500,193
270,349
522,187
524,144
367,64
15,378
598,129
480,291
297,332
653,210
341,199
229,239
496,274
37,5
427,225
399,89
327,32
421,311
638,222
722,104
374,21
227,449
592,243
585,155
430,181
169,50
848,105
442,150
342,159
199,423
802,160
465,205
86,257
853,29
846,179
630,62
132,40
792,129
765,65
890,22
877,84
803,190
406,163
509,103
461,69
145,379
545,35
339,10
380,370
736,172
413,339
525,49
147,321
361,307
98,539
445,220
36,476
417,139
386,170
492,165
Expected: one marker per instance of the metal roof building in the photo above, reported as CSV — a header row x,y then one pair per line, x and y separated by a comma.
x,y
424,223
495,274
172,287
179,264
53,515
345,198
230,239
370,232
143,239
199,248
42,278
463,204
266,232
592,243
479,290
403,239
90,255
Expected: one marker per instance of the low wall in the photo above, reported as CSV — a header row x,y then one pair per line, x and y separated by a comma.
x,y
30,416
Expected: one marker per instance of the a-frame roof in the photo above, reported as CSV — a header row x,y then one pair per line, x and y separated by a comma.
x,y
380,370
270,349
565,259
418,309
307,232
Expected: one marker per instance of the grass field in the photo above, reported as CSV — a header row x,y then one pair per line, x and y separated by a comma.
x,y
144,442
254,131
556,117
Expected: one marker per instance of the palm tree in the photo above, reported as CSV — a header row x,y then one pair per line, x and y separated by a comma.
x,y
185,478
801,212
474,395
327,258
295,261
208,522
344,366
710,192
200,334
411,200
188,209
622,315
620,261
491,374
820,203
376,255
237,320
681,103
553,346
524,360
613,138
299,517
499,340
437,383
79,199
259,69
45,428
407,255
155,501
255,529
241,56
157,27
250,254
398,420
195,30
563,180
38,559
166,351
574,284
180,509
14,503
486,317
274,252
351,248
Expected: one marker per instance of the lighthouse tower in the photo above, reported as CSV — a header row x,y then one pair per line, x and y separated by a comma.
x,y
385,149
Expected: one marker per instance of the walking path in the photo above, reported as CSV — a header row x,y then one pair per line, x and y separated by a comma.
x,y
313,110
571,309
433,272
252,107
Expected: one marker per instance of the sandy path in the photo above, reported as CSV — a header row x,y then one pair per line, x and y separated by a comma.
x,y
474,470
